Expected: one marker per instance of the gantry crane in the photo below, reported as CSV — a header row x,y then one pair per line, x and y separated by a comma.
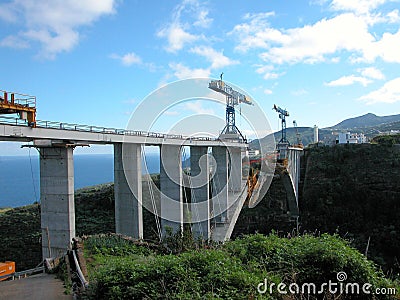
x,y
282,115
23,105
299,143
233,98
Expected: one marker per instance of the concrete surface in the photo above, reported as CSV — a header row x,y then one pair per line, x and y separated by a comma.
x,y
42,286
128,189
57,199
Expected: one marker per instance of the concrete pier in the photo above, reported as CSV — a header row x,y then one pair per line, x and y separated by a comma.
x,y
220,184
128,189
200,183
171,188
235,176
57,199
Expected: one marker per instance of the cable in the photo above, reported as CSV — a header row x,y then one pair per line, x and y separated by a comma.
x,y
153,202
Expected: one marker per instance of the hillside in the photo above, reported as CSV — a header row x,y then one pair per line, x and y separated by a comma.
x,y
369,124
352,190
367,120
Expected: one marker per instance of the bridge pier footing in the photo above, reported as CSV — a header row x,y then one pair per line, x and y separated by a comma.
x,y
57,199
128,189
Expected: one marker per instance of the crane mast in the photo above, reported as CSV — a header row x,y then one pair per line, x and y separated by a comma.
x,y
233,98
282,115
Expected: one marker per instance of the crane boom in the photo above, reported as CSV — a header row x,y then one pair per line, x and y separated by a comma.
x,y
233,98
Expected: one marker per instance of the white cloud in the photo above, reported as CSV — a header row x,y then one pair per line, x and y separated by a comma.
x,y
256,32
267,92
177,37
268,72
312,43
14,41
218,59
128,59
54,24
203,20
322,41
367,76
394,16
177,31
372,73
357,6
387,48
349,80
197,107
388,93
183,72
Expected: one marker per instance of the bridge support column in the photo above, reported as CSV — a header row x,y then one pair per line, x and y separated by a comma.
x,y
200,183
235,176
220,184
57,199
128,189
171,188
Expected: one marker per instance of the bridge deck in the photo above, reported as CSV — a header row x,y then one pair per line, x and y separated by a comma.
x,y
14,129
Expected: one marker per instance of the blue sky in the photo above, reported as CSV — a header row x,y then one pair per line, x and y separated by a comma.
x,y
92,62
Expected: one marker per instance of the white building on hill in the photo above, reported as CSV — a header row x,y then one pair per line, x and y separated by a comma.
x,y
351,138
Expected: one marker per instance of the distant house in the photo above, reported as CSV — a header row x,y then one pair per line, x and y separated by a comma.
x,y
351,138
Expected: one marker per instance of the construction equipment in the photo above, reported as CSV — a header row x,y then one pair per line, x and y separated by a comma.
x,y
6,268
23,105
233,98
283,143
299,143
282,115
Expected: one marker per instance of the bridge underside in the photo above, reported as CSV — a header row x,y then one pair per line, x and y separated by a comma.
x,y
217,186
216,195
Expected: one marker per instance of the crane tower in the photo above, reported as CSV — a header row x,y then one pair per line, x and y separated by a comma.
x,y
233,98
283,143
282,115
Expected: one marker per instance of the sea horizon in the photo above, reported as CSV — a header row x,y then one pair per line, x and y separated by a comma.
x,y
19,184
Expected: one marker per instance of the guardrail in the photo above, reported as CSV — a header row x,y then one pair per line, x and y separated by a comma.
x,y
23,274
104,130
17,98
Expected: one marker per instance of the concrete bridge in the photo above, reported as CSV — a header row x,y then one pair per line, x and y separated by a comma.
x,y
211,215
56,142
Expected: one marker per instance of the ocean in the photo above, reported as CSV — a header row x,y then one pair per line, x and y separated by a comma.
x,y
19,175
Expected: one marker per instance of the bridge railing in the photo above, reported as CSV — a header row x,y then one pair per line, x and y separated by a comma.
x,y
97,129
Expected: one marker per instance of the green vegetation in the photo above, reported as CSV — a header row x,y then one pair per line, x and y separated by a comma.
x,y
125,269
20,236
354,190
20,227
388,140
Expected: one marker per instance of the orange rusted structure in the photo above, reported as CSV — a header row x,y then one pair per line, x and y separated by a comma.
x,y
23,105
